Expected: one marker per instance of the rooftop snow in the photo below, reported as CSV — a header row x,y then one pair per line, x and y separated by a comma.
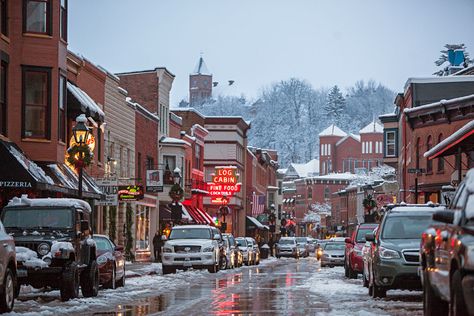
x,y
172,140
437,79
333,130
87,103
372,127
308,169
355,137
439,103
201,67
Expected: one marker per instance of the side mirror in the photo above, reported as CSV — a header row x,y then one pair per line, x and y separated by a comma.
x,y
119,248
217,237
84,226
164,237
370,237
444,216
348,240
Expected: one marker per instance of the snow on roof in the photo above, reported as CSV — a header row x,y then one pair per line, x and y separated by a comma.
x,y
282,171
388,115
336,176
333,130
451,139
172,140
355,137
201,68
372,127
308,169
86,101
54,202
438,79
33,169
439,103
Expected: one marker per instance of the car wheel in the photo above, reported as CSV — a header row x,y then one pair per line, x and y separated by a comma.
x,y
432,304
168,270
213,268
111,284
352,273
379,292
458,305
90,280
70,282
121,282
223,264
346,269
364,280
7,298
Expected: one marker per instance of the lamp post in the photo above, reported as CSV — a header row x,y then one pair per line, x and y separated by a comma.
x,y
80,133
177,176
176,194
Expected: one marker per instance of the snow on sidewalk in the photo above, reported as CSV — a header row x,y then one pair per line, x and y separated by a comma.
x,y
348,296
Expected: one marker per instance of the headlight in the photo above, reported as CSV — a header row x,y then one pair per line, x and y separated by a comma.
x,y
208,249
386,253
43,249
101,260
167,250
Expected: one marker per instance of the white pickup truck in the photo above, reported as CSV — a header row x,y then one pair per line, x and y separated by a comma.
x,y
192,246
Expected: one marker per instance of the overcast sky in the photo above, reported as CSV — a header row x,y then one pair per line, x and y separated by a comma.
x,y
258,42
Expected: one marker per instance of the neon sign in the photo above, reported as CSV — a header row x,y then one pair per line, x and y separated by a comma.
x,y
224,184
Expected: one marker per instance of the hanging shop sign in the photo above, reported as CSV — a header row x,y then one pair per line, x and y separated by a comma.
x,y
15,184
225,183
225,175
109,187
154,180
130,193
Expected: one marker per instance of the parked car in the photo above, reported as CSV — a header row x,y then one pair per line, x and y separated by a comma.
x,y
195,246
231,251
353,261
53,244
302,243
256,250
287,247
8,282
111,262
311,245
395,255
447,256
246,249
319,247
366,254
333,254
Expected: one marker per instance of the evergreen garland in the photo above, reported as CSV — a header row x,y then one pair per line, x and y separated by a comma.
x,y
128,233
176,192
79,151
369,202
112,222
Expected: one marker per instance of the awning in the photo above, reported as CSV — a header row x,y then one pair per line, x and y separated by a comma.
x,y
462,139
78,98
252,222
284,200
68,182
198,216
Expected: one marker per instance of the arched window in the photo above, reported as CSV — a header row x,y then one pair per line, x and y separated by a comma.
x,y
440,159
310,192
429,162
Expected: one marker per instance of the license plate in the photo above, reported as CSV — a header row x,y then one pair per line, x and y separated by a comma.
x,y
22,273
187,264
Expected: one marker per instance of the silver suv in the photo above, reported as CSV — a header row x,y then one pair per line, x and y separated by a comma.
x,y
8,284
192,246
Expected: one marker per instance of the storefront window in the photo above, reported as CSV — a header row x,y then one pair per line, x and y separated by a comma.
x,y
142,222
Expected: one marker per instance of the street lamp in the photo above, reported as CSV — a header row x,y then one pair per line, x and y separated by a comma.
x,y
80,133
177,175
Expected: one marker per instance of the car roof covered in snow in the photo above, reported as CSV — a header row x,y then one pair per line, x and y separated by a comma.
x,y
49,202
191,226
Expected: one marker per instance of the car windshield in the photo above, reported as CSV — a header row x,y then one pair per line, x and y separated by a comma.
x,y
190,233
301,240
362,232
406,227
334,246
287,242
32,218
102,243
250,242
241,242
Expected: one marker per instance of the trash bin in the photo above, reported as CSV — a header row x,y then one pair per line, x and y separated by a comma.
x,y
264,251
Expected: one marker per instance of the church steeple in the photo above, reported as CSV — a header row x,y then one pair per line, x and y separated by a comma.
x,y
200,83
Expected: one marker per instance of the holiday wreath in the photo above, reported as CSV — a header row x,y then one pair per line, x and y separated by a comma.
x,y
176,192
369,202
77,151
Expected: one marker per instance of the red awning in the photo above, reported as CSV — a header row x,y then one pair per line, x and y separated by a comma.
x,y
195,215
207,217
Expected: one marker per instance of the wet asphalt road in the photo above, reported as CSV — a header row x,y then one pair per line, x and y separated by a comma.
x,y
259,290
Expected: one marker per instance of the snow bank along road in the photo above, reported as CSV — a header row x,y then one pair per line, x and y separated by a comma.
x,y
284,287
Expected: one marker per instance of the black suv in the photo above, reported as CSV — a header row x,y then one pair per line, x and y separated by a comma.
x,y
447,256
53,244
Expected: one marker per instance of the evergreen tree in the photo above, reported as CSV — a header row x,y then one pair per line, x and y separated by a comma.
x,y
335,105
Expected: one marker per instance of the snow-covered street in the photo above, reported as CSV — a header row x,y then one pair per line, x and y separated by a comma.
x,y
276,286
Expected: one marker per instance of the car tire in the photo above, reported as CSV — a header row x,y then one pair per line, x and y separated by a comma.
x,y
379,292
70,282
7,297
168,270
90,280
365,282
223,264
432,304
346,269
278,257
458,305
212,268
112,284
352,273
121,282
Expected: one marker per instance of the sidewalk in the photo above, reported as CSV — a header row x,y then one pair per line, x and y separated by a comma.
x,y
138,269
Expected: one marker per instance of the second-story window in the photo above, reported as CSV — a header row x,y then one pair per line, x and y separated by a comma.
x,y
4,17
390,144
440,159
63,20
429,162
37,16
36,102
62,109
197,161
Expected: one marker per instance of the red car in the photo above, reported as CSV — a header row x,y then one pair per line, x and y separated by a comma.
x,y
111,262
353,260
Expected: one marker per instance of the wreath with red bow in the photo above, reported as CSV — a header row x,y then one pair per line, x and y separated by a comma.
x,y
77,151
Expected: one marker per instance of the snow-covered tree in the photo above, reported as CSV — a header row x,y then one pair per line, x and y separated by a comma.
x,y
335,105
445,58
